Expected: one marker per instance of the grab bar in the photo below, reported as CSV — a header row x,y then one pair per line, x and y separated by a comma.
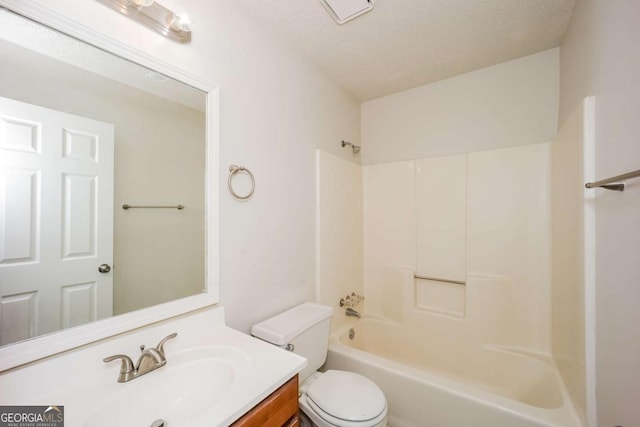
x,y
613,182
435,279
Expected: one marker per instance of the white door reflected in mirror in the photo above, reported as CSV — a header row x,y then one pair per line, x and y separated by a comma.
x,y
56,218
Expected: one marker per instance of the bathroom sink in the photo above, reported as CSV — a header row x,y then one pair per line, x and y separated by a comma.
x,y
192,382
214,375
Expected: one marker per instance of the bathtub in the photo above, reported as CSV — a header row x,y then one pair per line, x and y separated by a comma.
x,y
431,383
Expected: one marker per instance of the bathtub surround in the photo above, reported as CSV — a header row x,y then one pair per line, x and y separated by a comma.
x,y
482,218
472,208
477,347
338,232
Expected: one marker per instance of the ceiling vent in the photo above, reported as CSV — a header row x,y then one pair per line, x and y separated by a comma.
x,y
345,10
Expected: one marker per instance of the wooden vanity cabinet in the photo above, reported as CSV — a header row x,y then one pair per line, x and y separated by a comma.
x,y
279,409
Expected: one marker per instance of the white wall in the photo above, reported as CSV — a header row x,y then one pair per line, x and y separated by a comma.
x,y
275,110
599,56
339,232
513,103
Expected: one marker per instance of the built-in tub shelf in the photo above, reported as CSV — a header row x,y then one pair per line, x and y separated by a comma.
x,y
439,296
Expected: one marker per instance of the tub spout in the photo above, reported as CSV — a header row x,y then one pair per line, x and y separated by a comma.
x,y
352,313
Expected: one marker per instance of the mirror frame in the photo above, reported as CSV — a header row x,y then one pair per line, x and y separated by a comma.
x,y
23,352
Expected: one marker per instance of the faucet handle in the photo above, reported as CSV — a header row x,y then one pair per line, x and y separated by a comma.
x,y
160,346
125,367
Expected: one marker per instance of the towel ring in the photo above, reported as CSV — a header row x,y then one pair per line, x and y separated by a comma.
x,y
233,169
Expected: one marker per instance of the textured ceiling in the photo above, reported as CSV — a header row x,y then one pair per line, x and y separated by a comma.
x,y
407,43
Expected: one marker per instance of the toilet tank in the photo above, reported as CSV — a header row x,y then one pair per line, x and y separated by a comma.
x,y
303,329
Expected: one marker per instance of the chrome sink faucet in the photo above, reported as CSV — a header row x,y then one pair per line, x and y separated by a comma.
x,y
150,359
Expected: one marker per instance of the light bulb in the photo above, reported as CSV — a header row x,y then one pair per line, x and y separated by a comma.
x,y
141,3
180,22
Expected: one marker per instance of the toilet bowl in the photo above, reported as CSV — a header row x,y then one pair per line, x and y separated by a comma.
x,y
332,398
344,399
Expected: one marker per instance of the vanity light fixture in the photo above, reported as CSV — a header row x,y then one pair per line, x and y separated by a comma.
x,y
155,16
139,3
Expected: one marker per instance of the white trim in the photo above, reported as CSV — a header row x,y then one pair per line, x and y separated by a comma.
x,y
17,354
212,190
317,229
589,150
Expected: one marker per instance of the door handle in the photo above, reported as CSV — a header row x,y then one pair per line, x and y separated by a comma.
x,y
104,268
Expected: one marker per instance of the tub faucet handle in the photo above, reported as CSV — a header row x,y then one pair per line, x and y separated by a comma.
x,y
351,300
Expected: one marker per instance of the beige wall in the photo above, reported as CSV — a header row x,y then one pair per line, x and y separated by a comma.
x,y
513,103
599,56
159,159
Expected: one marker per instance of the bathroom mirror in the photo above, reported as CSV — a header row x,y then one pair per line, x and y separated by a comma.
x,y
107,186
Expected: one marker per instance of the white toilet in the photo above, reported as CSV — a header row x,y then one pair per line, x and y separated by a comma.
x,y
332,398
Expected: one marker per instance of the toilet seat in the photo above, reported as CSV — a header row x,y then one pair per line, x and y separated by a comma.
x,y
347,399
345,423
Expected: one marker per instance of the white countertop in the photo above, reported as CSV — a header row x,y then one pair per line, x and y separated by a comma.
x,y
81,382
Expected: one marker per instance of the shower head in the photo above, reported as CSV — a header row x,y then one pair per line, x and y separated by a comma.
x,y
355,148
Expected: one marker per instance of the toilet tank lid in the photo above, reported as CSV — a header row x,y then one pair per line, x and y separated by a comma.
x,y
284,327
